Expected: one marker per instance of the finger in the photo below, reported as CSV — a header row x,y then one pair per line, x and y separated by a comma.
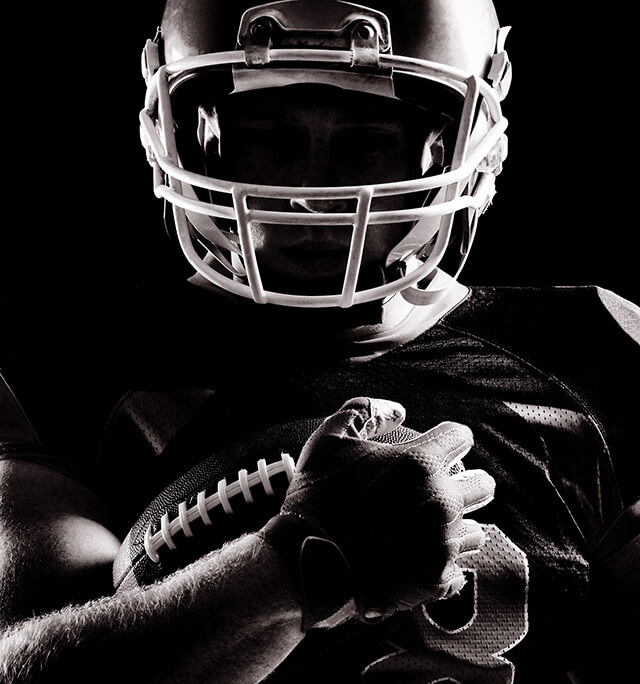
x,y
376,417
447,443
472,536
450,582
476,487
453,581
363,418
464,536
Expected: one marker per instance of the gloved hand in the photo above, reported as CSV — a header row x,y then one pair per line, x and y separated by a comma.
x,y
370,526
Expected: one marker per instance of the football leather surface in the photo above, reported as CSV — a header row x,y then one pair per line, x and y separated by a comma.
x,y
233,491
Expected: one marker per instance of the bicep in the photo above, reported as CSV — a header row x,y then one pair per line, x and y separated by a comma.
x,y
54,548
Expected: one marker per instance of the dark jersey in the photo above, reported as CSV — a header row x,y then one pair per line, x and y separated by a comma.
x,y
546,379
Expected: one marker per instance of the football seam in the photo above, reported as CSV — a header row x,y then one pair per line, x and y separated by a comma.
x,y
169,526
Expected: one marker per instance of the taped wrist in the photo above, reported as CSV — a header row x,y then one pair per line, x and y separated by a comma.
x,y
318,568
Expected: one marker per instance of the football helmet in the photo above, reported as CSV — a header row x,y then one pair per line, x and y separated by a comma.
x,y
447,59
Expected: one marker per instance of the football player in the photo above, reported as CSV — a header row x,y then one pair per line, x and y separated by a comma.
x,y
325,164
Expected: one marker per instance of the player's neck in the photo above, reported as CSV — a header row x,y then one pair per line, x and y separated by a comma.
x,y
377,324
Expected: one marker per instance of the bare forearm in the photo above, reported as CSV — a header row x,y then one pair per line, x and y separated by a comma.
x,y
231,617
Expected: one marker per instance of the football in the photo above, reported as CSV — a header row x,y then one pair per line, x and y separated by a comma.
x,y
234,491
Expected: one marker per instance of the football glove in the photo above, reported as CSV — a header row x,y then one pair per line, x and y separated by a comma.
x,y
370,526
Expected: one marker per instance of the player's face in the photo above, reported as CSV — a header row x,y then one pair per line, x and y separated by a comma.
x,y
317,137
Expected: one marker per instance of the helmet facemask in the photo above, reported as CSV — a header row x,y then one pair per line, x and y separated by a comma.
x,y
219,217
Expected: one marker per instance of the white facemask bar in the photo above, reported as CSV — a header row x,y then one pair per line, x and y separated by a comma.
x,y
163,155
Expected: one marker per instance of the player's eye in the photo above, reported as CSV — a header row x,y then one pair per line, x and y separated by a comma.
x,y
263,154
359,145
272,143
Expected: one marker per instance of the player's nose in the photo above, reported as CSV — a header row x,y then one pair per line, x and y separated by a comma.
x,y
319,172
319,206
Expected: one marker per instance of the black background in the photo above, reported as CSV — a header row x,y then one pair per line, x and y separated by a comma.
x,y
79,212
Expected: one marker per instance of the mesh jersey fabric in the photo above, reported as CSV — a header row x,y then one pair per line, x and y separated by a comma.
x,y
542,376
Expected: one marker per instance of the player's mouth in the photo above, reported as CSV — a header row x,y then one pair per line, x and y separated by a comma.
x,y
317,258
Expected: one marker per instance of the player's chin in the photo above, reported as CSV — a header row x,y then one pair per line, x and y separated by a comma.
x,y
317,284
321,282
305,272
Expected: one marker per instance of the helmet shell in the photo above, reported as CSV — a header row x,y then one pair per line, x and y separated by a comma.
x,y
458,33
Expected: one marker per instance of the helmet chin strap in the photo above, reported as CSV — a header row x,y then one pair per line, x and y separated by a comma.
x,y
406,255
431,290
215,240
429,295
420,235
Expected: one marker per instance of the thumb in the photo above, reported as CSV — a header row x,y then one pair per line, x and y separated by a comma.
x,y
340,438
363,418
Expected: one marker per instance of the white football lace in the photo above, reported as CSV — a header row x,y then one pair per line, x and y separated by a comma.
x,y
200,510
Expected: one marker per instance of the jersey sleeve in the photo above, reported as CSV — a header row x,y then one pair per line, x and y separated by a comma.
x,y
625,313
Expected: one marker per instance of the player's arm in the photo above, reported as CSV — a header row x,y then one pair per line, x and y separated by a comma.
x,y
233,611
230,617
